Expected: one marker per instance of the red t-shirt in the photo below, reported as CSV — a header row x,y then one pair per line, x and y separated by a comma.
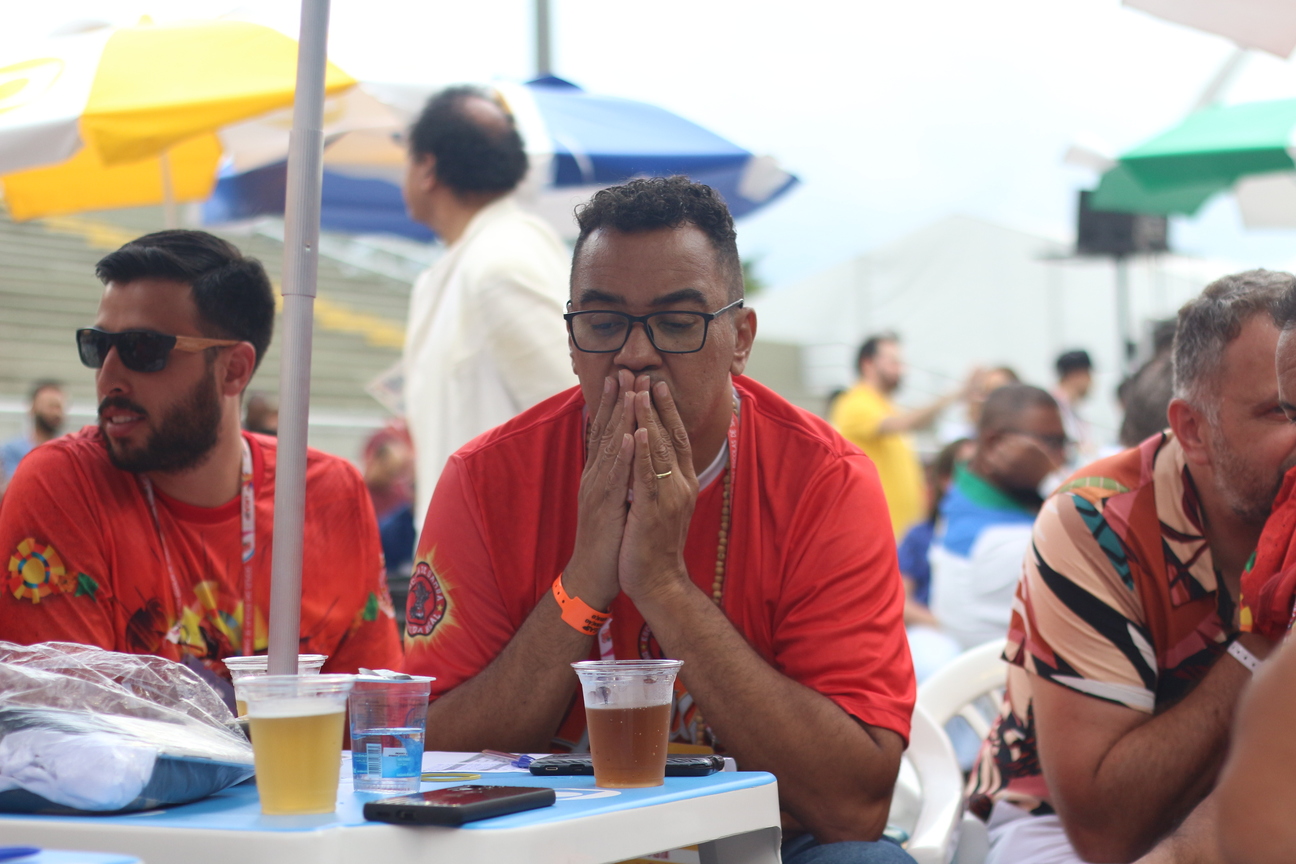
x,y
1269,581
811,577
86,563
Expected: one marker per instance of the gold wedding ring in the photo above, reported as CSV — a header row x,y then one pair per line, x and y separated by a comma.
x,y
664,476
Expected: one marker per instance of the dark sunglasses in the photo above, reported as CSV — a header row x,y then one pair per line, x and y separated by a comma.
x,y
139,350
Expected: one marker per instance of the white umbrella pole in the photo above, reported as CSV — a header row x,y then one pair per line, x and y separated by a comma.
x,y
168,192
301,264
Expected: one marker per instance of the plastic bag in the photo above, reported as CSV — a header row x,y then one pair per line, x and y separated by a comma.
x,y
88,730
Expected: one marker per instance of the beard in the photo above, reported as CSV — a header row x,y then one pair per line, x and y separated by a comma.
x,y
1248,491
182,440
50,426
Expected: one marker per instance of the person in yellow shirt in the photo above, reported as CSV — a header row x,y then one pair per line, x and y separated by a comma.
x,y
865,416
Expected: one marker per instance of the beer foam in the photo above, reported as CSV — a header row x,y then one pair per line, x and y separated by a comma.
x,y
623,702
633,693
289,707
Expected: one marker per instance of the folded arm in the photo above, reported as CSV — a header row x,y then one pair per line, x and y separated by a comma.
x,y
835,773
1121,779
1257,792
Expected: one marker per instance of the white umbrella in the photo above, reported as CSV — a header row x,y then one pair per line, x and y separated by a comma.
x,y
1269,25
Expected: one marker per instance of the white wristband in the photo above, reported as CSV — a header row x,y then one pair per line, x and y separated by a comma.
x,y
1243,656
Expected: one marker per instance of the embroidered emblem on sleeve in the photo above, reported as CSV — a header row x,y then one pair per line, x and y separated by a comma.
x,y
36,571
427,602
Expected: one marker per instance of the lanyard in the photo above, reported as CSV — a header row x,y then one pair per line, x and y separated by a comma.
x,y
606,649
247,514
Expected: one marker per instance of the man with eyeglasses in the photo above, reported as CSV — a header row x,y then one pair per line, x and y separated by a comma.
x,y
1126,659
669,506
150,533
985,519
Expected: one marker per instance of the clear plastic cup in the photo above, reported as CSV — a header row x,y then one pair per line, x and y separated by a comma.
x,y
388,716
251,665
296,726
628,714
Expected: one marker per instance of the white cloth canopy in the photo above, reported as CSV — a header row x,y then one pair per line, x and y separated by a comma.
x,y
1269,25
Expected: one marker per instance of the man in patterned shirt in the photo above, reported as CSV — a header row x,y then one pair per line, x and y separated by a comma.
x,y
1120,698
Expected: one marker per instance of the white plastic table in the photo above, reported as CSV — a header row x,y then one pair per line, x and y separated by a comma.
x,y
733,816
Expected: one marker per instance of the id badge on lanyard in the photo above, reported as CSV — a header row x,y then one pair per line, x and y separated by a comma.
x,y
247,521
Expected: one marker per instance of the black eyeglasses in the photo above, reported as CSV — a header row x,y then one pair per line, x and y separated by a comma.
x,y
139,350
605,332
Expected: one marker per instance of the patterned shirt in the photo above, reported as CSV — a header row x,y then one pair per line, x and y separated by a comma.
x,y
1118,600
87,563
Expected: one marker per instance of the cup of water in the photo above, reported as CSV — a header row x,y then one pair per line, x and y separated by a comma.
x,y
388,716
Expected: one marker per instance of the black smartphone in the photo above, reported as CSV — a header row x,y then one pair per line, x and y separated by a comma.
x,y
677,765
456,805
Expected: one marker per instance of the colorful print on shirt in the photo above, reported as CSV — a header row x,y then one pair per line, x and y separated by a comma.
x,y
1119,600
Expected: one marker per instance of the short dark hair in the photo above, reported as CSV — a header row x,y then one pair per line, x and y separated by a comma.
x,y
651,203
942,467
1146,395
1007,372
1073,361
471,156
1209,322
233,293
43,384
869,349
1005,404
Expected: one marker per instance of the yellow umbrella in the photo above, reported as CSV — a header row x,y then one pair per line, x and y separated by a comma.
x,y
131,116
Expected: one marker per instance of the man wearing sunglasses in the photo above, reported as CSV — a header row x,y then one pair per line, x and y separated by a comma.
x,y
151,532
709,519
985,519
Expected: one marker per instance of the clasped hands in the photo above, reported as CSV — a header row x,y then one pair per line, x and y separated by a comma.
x,y
636,499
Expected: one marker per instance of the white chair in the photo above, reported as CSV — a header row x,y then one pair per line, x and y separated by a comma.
x,y
953,691
928,801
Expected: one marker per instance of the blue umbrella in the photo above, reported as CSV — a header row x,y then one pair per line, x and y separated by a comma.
x,y
579,141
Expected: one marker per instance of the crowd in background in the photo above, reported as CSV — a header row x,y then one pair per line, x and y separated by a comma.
x,y
535,516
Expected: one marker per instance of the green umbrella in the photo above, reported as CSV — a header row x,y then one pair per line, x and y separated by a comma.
x,y
1210,151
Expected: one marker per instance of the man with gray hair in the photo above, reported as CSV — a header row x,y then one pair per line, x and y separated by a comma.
x,y
1253,819
1120,697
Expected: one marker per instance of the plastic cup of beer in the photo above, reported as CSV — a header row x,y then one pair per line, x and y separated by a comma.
x,y
628,713
388,716
296,723
252,665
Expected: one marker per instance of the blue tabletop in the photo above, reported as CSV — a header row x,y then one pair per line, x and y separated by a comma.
x,y
238,808
61,856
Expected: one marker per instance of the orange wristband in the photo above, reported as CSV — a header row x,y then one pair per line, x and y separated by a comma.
x,y
576,612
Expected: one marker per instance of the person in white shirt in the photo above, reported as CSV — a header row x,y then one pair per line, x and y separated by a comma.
x,y
1074,381
984,526
485,337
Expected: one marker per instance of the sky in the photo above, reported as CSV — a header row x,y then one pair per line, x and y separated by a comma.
x,y
894,115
